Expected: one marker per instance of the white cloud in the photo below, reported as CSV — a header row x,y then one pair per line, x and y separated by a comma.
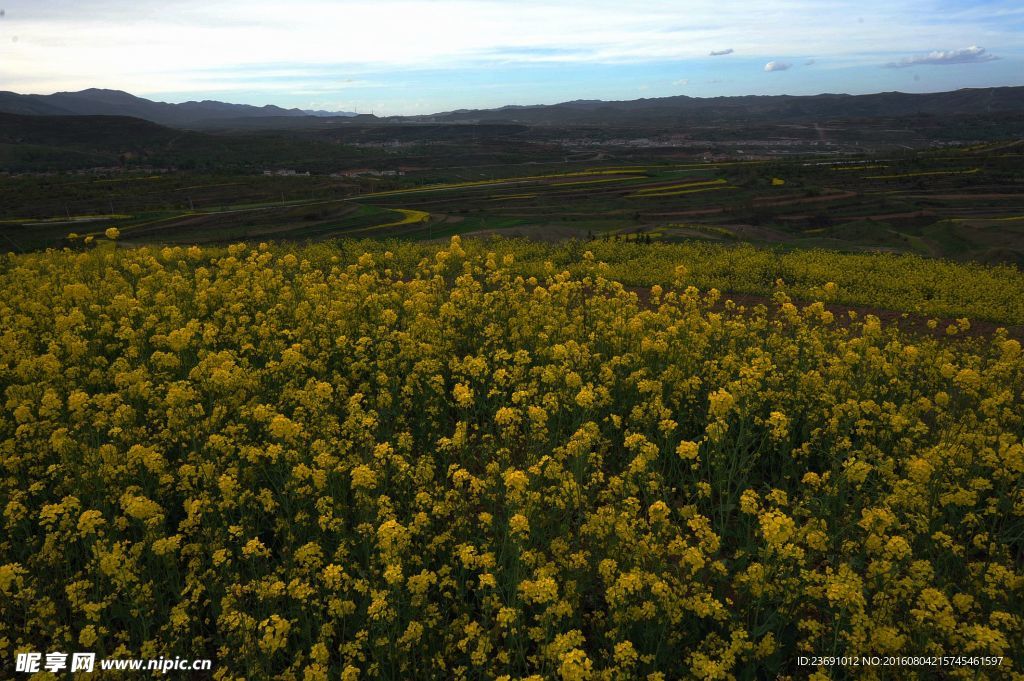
x,y
719,53
810,62
141,46
967,55
777,66
681,82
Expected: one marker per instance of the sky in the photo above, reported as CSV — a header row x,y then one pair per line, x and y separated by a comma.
x,y
393,57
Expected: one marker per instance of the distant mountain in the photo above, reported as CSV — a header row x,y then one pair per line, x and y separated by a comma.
x,y
663,111
752,108
659,111
329,114
96,102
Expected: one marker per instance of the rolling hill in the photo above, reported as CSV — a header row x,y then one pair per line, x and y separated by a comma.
x,y
662,111
751,108
97,102
32,143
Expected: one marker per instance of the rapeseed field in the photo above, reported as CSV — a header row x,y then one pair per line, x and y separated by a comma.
x,y
494,461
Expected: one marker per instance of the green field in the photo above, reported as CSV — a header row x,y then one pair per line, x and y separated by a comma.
x,y
964,204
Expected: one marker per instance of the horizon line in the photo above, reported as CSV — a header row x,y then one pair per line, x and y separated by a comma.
x,y
496,108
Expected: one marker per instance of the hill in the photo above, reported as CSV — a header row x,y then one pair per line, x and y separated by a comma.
x,y
751,108
61,142
661,111
98,102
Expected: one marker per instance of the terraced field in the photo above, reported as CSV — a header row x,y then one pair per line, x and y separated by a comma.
x,y
962,204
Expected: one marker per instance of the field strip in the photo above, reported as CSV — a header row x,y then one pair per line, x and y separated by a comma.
x,y
493,183
979,218
922,174
842,168
680,192
771,201
964,197
127,179
411,217
557,185
189,214
684,185
73,220
207,186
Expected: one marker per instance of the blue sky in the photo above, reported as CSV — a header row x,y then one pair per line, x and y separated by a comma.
x,y
406,57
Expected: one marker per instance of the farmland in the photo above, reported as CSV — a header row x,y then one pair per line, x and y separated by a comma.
x,y
415,460
419,400
964,203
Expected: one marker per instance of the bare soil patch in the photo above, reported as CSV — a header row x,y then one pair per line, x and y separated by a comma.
x,y
916,324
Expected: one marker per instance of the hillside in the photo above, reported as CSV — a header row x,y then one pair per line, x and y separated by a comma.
x,y
98,102
48,143
781,108
676,110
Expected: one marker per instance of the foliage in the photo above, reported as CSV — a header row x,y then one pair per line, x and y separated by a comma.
x,y
295,461
903,283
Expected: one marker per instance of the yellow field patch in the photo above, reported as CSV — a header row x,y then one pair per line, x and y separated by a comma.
x,y
411,217
60,219
586,182
493,182
1010,218
680,192
683,185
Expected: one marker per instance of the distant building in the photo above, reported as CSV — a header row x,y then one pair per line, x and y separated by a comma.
x,y
368,172
284,173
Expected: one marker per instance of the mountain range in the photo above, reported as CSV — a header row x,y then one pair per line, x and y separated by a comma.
x,y
663,111
752,108
97,102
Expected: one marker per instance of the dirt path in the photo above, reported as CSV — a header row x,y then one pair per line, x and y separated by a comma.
x,y
964,197
888,216
769,201
684,213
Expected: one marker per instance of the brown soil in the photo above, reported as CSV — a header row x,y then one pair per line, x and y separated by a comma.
x,y
911,323
888,216
965,196
683,213
769,201
760,201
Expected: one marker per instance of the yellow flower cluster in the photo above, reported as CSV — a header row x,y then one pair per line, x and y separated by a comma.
x,y
905,283
360,463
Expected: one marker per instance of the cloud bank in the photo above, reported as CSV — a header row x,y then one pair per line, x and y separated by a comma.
x,y
266,50
968,55
777,66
